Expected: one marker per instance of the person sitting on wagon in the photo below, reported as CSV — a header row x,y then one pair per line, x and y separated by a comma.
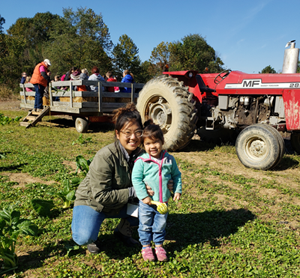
x,y
127,78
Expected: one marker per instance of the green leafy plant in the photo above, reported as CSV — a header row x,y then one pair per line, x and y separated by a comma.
x,y
83,164
7,120
68,192
11,226
82,140
42,207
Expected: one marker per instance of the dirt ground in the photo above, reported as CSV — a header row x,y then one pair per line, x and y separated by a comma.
x,y
10,105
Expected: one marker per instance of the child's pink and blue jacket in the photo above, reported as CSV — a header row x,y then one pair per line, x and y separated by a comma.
x,y
156,173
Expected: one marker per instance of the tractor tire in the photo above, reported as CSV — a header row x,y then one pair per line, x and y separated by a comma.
x,y
81,125
170,105
295,141
258,147
280,141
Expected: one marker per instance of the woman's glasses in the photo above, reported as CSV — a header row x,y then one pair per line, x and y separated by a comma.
x,y
138,133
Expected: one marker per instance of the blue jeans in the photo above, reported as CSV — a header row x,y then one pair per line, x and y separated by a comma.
x,y
39,92
152,225
86,223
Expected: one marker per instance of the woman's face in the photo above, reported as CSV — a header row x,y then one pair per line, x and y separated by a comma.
x,y
132,130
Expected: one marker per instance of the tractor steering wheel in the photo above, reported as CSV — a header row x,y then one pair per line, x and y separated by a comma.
x,y
221,76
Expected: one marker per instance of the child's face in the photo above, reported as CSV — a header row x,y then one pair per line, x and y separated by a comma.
x,y
153,147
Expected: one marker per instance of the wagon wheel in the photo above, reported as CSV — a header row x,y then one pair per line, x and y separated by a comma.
x,y
81,125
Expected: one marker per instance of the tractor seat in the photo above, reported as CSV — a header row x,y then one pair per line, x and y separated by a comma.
x,y
203,88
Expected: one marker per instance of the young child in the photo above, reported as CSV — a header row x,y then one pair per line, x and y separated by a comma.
x,y
154,168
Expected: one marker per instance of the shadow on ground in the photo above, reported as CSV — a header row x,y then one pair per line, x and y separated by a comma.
x,y
67,123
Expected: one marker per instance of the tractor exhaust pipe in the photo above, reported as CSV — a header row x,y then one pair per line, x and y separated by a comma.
x,y
291,57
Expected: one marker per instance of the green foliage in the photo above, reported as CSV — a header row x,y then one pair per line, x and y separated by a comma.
x,y
42,207
159,58
268,69
67,194
11,226
83,164
2,21
81,39
36,30
193,53
125,56
81,140
4,120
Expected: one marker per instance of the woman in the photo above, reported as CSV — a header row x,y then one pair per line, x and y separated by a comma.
x,y
95,76
107,188
127,78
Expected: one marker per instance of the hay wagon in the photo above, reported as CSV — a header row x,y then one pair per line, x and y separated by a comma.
x,y
64,98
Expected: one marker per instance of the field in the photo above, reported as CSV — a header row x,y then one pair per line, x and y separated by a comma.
x,y
231,221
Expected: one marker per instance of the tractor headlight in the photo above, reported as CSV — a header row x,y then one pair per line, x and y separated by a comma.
x,y
190,74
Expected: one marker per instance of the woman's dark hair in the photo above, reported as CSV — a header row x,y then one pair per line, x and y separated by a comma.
x,y
95,70
126,114
152,131
73,69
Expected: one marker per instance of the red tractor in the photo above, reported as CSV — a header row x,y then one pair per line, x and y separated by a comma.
x,y
256,107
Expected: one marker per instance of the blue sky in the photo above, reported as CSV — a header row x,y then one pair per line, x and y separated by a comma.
x,y
246,35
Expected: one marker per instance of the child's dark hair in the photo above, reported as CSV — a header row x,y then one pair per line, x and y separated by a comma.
x,y
152,131
126,114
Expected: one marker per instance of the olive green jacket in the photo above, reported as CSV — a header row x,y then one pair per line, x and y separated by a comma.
x,y
105,187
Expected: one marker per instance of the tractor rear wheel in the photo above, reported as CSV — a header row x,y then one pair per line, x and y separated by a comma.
x,y
258,147
295,141
169,104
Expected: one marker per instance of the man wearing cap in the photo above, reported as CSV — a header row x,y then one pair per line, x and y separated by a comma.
x,y
40,80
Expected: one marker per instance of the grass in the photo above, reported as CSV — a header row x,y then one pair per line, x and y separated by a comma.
x,y
231,221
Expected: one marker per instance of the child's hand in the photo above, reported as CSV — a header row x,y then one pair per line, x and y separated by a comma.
x,y
176,197
147,201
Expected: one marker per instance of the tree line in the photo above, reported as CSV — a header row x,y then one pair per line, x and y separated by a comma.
x,y
81,38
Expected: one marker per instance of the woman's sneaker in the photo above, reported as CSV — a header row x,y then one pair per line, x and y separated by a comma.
x,y
161,254
148,254
93,248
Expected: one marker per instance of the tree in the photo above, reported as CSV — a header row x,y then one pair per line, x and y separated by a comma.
x,y
2,36
159,58
145,72
80,39
2,21
193,53
268,69
125,56
35,30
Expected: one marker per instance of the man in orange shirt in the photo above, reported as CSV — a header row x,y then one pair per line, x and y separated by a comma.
x,y
40,80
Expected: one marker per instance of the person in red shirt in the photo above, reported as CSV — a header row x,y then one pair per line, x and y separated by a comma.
x,y
110,78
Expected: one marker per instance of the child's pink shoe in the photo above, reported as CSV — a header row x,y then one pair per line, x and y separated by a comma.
x,y
148,254
161,254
